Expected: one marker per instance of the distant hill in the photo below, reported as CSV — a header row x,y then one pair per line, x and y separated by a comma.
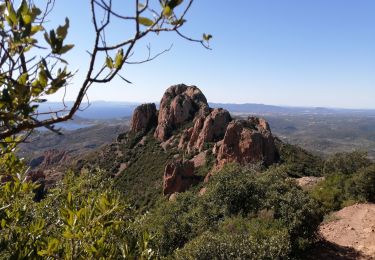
x,y
109,110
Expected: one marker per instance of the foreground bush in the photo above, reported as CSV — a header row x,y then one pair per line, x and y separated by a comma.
x,y
240,238
79,219
338,190
280,207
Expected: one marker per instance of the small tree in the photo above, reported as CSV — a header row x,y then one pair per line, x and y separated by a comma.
x,y
27,79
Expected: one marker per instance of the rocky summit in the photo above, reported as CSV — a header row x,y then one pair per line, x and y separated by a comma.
x,y
185,122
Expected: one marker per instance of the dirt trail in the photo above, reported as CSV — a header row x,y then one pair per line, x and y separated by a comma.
x,y
353,227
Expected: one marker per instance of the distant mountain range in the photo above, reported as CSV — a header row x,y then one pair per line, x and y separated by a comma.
x,y
108,110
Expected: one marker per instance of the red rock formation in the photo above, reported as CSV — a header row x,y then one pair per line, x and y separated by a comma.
x,y
206,129
144,118
247,141
179,176
179,105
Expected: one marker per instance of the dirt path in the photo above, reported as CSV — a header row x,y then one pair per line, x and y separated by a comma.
x,y
352,228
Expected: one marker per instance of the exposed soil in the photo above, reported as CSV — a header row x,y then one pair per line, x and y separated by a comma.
x,y
349,235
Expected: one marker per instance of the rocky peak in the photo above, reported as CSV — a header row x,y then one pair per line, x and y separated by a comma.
x,y
144,118
179,105
234,141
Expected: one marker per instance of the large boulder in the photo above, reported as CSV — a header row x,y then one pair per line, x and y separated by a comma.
x,y
179,176
247,141
144,118
180,104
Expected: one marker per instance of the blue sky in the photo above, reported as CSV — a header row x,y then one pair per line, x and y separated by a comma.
x,y
280,52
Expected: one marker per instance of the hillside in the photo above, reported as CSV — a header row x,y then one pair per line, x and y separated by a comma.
x,y
196,182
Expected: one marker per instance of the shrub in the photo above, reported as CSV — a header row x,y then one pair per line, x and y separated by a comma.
x,y
340,190
81,218
298,162
234,193
346,163
239,238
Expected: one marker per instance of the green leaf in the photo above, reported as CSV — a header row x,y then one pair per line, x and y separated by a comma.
x,y
3,223
2,9
52,245
70,198
27,19
207,37
109,62
66,48
119,57
23,9
11,14
46,37
35,29
23,78
62,31
167,11
174,3
178,22
145,21
43,81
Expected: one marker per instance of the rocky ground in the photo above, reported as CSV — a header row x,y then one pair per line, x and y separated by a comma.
x,y
350,234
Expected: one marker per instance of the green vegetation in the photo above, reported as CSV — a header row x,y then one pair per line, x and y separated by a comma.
x,y
298,162
245,212
80,218
254,205
142,181
350,178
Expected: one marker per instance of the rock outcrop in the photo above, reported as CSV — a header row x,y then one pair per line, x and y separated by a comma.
x,y
144,118
179,105
185,123
179,176
206,129
247,141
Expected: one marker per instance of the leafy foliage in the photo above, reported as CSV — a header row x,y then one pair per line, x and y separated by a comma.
x,y
346,163
80,218
24,82
297,162
235,193
350,178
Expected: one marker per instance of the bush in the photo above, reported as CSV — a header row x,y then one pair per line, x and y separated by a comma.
x,y
234,193
340,190
298,162
346,163
239,238
80,218
363,184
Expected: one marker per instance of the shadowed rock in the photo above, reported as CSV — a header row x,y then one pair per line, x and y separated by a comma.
x,y
144,118
179,176
206,129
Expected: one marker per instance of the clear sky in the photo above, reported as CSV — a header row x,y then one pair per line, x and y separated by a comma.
x,y
279,52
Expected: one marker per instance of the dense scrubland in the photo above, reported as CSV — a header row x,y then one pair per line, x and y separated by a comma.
x,y
247,212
